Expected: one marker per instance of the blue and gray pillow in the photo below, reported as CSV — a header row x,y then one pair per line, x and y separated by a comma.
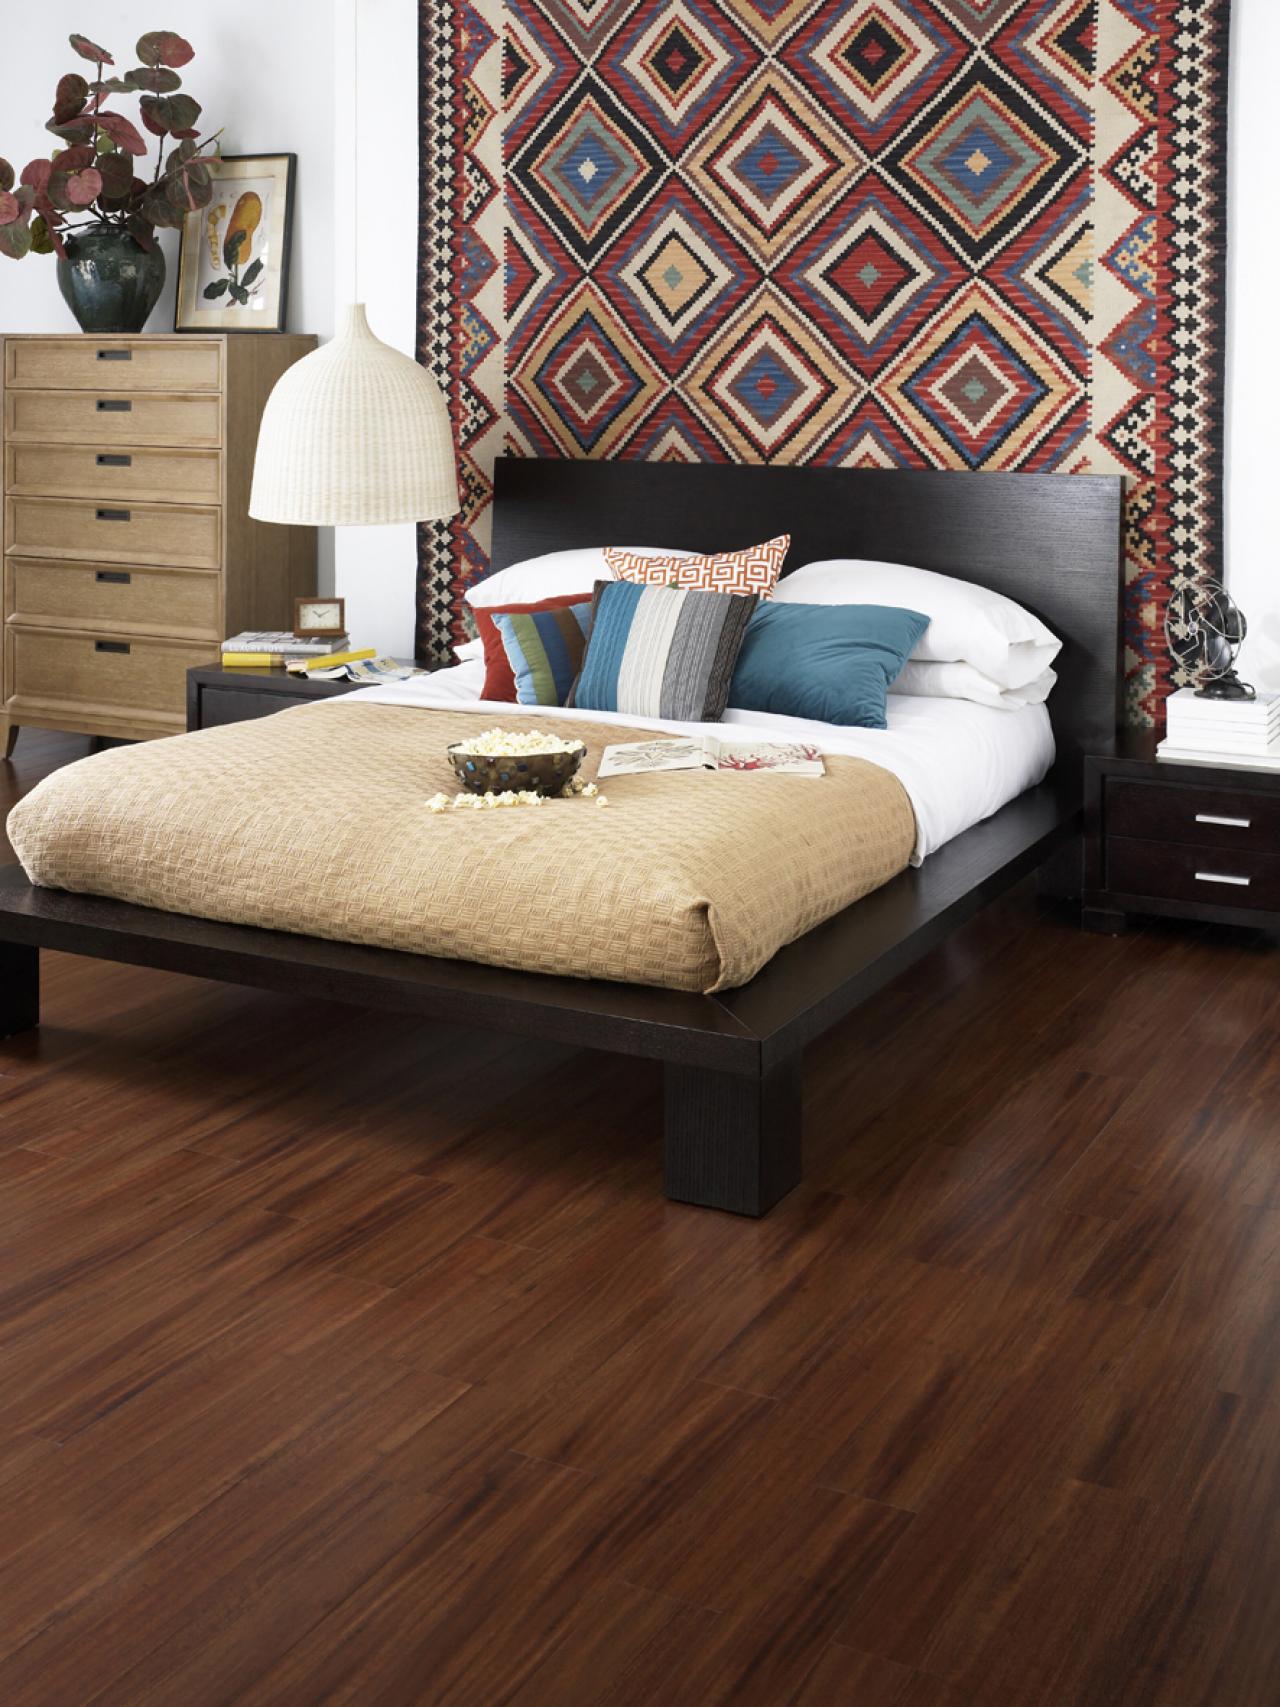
x,y
662,651
831,663
545,650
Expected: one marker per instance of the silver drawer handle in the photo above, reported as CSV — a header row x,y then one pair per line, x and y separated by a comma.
x,y
1228,823
1220,877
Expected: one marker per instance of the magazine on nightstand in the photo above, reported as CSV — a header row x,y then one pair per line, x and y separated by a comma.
x,y
709,753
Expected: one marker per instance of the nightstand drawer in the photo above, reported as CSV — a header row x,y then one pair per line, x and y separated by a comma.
x,y
110,420
84,364
177,602
220,706
186,535
1177,812
1172,871
137,475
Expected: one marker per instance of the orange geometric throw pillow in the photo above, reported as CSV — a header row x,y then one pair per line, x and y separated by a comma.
x,y
755,570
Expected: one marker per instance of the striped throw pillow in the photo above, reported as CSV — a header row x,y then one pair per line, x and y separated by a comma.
x,y
755,570
499,683
545,649
661,651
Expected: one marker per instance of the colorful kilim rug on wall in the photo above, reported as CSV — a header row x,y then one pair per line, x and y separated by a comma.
x,y
974,234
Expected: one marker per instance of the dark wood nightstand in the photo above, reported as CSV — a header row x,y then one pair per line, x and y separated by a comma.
x,y
216,696
1188,841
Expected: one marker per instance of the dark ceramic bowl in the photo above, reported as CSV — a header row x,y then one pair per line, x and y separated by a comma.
x,y
495,773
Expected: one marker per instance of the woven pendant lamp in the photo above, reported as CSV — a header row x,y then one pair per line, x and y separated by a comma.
x,y
355,433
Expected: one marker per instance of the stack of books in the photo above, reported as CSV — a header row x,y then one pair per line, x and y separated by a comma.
x,y
257,649
1224,731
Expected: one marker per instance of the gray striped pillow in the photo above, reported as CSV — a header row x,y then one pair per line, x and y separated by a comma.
x,y
661,651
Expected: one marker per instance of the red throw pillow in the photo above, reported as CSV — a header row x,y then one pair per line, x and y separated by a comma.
x,y
499,682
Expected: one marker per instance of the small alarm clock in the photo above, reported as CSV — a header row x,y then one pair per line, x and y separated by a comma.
x,y
319,619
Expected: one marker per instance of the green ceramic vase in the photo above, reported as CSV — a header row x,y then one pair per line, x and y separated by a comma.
x,y
108,281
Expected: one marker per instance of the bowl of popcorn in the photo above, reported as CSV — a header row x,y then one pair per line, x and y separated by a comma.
x,y
502,761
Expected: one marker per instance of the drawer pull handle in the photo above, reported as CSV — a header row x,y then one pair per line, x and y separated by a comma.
x,y
115,355
112,515
107,459
110,646
114,406
117,577
1221,877
1227,823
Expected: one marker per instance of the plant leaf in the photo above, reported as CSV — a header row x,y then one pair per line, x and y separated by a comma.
x,y
56,190
157,78
117,174
10,208
164,47
181,112
75,130
159,210
239,294
121,131
90,50
36,173
84,187
70,96
6,175
149,110
143,232
15,240
213,291
74,159
251,272
41,237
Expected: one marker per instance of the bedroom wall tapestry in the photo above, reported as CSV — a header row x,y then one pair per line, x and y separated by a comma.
x,y
971,234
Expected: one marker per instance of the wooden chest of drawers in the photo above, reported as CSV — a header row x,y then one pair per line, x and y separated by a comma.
x,y
128,551
1196,841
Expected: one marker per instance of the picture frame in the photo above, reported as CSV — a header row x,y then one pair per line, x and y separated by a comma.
x,y
233,258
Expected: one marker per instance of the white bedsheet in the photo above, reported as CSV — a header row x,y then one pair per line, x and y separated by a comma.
x,y
959,762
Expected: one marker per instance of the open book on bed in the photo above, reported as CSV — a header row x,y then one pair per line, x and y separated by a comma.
x,y
709,752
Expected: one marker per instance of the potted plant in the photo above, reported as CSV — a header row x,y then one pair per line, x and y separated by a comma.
x,y
110,266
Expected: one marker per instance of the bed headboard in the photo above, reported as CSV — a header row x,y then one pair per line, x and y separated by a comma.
x,y
1050,541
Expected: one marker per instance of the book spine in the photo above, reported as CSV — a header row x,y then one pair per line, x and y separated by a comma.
x,y
251,660
337,658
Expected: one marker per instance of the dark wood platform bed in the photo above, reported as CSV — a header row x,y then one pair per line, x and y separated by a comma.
x,y
734,1087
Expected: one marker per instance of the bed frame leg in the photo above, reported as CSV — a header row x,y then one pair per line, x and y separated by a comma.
x,y
10,733
19,988
1061,877
733,1140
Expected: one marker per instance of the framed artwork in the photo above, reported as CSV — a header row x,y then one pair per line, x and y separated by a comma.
x,y
233,263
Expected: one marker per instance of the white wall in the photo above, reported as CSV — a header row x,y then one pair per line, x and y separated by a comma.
x,y
1253,367
263,69
375,122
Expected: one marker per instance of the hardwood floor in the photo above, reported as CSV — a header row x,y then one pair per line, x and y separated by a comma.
x,y
343,1361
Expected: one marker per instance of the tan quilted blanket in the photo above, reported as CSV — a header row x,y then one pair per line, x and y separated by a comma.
x,y
315,820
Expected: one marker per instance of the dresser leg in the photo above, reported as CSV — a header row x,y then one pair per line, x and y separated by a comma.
x,y
19,988
1104,921
10,732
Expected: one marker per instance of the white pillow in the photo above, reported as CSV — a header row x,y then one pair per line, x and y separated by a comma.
x,y
469,649
962,681
551,576
967,624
